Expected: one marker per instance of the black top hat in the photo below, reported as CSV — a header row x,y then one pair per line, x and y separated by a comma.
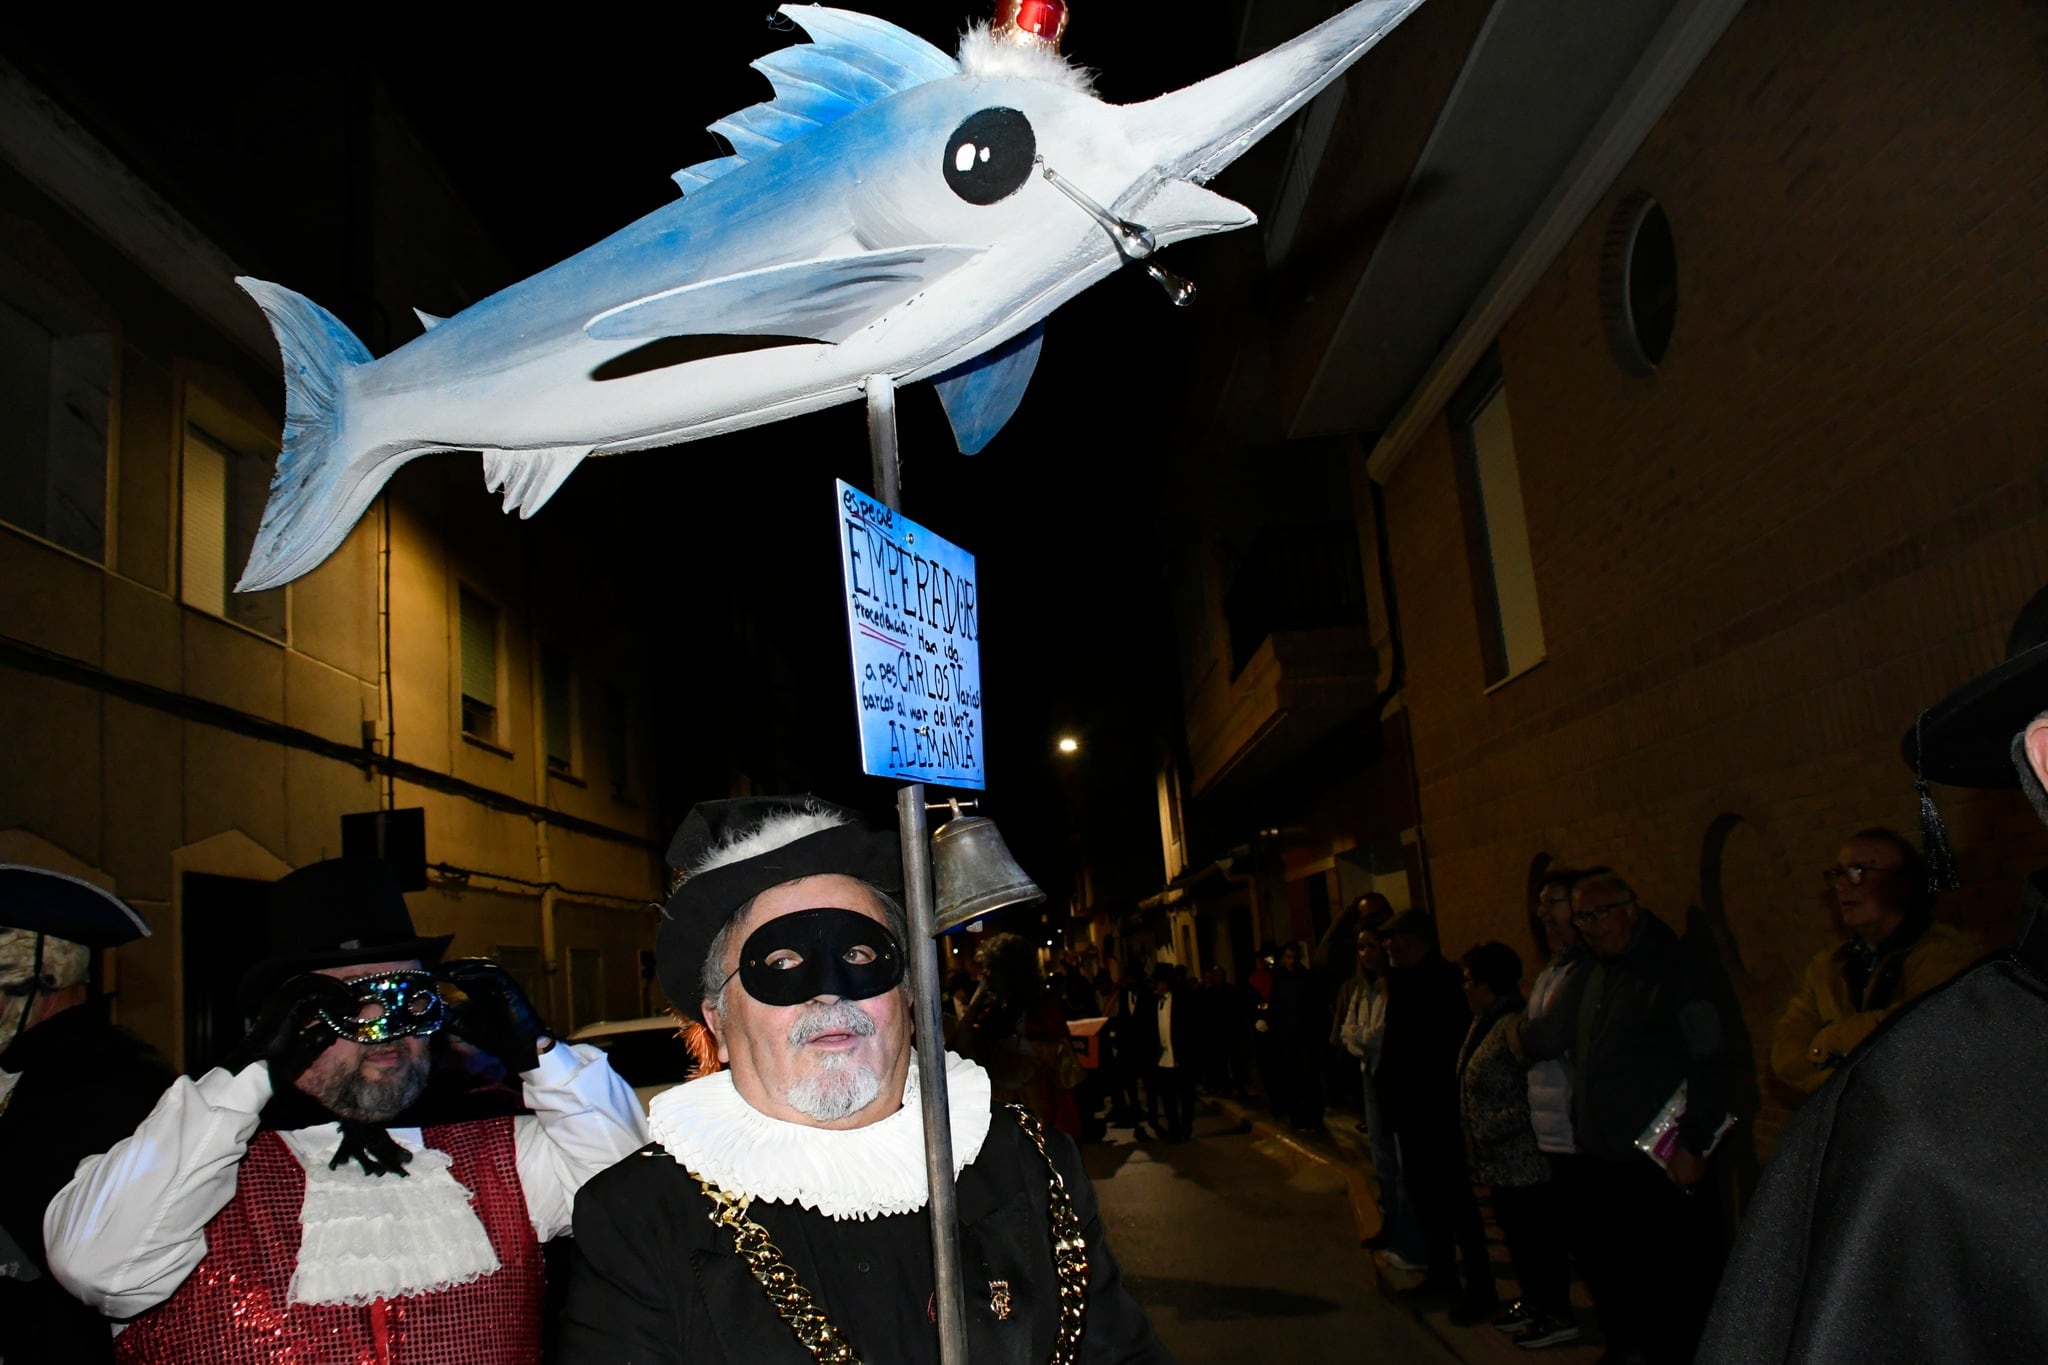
x,y
46,902
1965,739
339,913
729,852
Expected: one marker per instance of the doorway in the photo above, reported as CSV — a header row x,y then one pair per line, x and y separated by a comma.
x,y
224,934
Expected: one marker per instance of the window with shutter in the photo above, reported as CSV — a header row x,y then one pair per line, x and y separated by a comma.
x,y
479,638
202,546
1496,526
617,744
558,707
56,385
225,483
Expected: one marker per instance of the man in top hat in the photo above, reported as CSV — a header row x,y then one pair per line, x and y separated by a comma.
x,y
71,1084
1904,1215
801,1164
342,1190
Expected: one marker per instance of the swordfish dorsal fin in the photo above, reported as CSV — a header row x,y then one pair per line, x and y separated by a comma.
x,y
852,60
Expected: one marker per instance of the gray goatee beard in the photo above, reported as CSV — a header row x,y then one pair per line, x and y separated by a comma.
x,y
352,1096
841,1084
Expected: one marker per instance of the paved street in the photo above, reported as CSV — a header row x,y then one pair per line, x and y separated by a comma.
x,y
1239,1261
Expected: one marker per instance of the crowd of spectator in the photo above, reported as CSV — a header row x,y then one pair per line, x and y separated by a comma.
x,y
1585,1111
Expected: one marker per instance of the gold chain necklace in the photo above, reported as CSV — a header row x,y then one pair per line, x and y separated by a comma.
x,y
815,1332
1069,1249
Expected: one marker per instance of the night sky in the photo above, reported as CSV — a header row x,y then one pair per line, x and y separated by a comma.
x,y
557,136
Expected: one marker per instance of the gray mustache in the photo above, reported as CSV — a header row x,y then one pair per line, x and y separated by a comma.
x,y
838,1017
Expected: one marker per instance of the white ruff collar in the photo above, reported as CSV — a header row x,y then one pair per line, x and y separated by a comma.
x,y
365,1237
842,1173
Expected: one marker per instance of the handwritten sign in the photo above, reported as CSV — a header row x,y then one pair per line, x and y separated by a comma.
x,y
916,633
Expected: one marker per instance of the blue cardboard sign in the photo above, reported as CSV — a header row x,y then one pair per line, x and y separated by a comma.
x,y
916,632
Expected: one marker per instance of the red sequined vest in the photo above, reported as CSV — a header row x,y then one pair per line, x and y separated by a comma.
x,y
235,1309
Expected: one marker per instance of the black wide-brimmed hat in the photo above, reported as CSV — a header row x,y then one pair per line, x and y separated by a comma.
x,y
339,913
729,852
62,906
1965,739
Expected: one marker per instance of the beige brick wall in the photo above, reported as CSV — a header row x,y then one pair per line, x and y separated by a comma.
x,y
1820,515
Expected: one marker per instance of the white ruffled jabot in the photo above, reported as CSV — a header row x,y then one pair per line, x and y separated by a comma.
x,y
869,1172
368,1237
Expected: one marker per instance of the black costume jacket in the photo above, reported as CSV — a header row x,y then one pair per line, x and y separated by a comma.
x,y
655,1283
1417,1079
1904,1215
1634,1026
85,1084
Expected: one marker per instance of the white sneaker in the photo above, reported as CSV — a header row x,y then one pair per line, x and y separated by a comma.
x,y
1547,1332
1394,1260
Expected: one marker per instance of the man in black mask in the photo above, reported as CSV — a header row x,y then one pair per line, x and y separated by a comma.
x,y
1902,1216
72,1083
340,1185
782,1206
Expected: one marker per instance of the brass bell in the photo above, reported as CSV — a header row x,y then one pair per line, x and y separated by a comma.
x,y
973,873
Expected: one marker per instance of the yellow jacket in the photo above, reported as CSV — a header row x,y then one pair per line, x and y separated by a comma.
x,y
1822,1020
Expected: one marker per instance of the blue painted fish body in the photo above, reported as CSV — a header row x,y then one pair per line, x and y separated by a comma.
x,y
890,208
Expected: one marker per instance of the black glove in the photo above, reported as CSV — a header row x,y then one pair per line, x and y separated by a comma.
x,y
488,1009
289,1032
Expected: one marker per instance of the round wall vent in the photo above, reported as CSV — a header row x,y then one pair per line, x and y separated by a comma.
x,y
1639,283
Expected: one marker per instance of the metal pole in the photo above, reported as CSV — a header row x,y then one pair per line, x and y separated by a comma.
x,y
882,440
948,1300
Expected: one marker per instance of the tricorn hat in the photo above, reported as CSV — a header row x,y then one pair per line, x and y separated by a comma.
x,y
1965,739
46,902
338,913
728,852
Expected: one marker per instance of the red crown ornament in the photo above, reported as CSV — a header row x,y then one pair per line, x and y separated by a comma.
x,y
1031,21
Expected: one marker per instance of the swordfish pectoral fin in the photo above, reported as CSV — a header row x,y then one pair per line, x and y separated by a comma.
x,y
982,395
528,478
826,300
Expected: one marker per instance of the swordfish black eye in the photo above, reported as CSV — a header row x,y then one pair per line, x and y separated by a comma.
x,y
989,156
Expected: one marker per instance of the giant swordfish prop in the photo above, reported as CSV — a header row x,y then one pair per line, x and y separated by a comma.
x,y
894,210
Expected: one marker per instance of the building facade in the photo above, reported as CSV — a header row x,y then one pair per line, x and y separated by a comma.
x,y
186,745
1674,612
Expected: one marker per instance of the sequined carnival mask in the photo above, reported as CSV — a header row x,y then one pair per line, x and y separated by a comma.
x,y
390,1005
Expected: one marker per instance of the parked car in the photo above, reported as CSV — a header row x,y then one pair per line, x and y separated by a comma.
x,y
649,1054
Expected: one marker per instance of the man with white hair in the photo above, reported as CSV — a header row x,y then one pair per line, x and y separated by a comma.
x,y
1902,1216
72,1083
781,1208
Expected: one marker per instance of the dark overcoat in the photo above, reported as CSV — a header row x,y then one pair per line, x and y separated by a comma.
x,y
1904,1215
85,1084
655,1283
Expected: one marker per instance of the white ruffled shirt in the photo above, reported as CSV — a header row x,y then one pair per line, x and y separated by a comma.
x,y
364,1237
843,1173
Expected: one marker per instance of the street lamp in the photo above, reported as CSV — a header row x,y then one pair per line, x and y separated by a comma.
x,y
1069,745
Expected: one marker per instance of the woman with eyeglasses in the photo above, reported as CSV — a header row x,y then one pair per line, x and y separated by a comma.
x,y
1894,953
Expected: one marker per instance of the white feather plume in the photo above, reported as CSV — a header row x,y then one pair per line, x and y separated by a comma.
x,y
983,54
772,833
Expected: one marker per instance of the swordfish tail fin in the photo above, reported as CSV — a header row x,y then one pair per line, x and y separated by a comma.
x,y
322,485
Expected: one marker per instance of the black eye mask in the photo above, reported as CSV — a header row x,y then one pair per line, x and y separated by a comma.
x,y
801,956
